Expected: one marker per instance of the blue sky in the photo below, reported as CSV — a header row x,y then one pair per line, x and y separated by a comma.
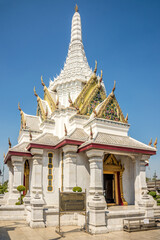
x,y
122,35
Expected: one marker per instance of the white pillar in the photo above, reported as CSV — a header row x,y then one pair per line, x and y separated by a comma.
x,y
96,201
37,171
10,183
70,167
136,162
17,178
96,171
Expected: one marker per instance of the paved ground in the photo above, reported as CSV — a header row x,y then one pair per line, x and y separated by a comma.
x,y
20,231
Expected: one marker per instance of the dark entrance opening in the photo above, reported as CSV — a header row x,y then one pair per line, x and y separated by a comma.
x,y
109,187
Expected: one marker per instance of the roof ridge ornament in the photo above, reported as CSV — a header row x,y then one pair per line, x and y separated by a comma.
x,y
113,89
95,69
42,82
155,143
150,143
9,143
76,8
19,108
126,119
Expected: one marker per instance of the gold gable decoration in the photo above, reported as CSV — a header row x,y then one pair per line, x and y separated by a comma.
x,y
48,98
111,110
23,121
40,109
91,95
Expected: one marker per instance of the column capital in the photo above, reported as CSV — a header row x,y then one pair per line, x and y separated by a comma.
x,y
36,151
16,160
70,148
95,153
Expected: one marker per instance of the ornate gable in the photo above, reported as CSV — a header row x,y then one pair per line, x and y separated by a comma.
x,y
91,95
111,110
48,98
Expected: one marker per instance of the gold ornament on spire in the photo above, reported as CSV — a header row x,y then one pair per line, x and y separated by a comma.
x,y
155,143
9,143
76,8
42,81
150,143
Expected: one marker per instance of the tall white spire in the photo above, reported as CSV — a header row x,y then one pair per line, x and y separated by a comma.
x,y
76,67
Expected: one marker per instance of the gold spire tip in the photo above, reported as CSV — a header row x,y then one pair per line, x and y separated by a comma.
x,y
76,8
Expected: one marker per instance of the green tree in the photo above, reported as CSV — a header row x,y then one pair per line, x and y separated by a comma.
x,y
21,188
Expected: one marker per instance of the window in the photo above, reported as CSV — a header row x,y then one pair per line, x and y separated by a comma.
x,y
50,172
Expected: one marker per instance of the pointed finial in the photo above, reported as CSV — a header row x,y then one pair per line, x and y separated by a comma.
x,y
35,92
91,133
65,129
114,87
19,107
95,69
42,81
30,135
126,119
76,8
155,143
4,155
150,143
9,142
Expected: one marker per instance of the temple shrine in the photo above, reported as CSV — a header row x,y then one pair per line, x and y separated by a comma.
x,y
78,137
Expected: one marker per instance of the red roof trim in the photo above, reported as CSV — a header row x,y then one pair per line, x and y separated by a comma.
x,y
63,143
13,153
123,149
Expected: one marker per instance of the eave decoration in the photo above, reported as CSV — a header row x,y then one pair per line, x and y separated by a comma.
x,y
23,121
91,95
40,109
48,98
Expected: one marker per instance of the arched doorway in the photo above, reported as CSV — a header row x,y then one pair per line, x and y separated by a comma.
x,y
112,180
26,176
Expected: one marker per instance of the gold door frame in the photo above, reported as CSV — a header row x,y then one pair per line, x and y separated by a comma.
x,y
112,166
26,175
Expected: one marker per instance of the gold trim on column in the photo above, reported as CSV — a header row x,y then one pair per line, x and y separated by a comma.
x,y
121,188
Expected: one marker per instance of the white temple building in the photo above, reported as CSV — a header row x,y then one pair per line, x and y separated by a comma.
x,y
79,137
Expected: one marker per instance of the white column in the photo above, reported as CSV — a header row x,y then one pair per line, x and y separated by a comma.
x,y
96,201
136,162
96,171
37,171
70,167
17,178
10,183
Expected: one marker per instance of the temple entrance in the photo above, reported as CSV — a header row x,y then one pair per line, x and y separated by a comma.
x,y
109,188
26,176
112,180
